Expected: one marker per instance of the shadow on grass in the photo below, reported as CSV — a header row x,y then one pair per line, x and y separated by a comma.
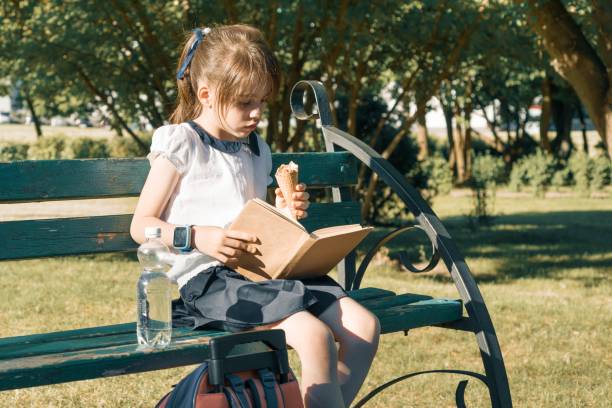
x,y
543,245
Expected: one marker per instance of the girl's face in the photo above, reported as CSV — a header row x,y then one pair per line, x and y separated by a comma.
x,y
238,119
243,115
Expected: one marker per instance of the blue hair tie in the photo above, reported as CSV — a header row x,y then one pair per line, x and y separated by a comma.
x,y
200,34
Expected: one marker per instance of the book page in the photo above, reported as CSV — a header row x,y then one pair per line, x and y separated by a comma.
x,y
335,230
278,212
325,252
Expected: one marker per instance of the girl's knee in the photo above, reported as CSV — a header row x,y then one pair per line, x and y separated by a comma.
x,y
317,332
309,334
366,326
370,326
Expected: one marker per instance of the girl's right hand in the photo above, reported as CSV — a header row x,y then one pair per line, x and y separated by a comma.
x,y
224,245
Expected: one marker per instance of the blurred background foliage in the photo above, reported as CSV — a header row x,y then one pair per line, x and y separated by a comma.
x,y
382,62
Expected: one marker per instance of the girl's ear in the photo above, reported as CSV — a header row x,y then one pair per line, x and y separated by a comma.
x,y
204,95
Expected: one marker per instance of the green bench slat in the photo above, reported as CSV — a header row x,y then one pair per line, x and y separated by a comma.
x,y
111,350
64,345
369,293
418,314
321,169
112,335
42,180
390,301
66,236
96,363
110,233
67,335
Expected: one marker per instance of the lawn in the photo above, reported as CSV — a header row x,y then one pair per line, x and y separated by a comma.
x,y
27,133
544,268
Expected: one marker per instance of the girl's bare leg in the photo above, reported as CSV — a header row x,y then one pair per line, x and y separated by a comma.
x,y
315,345
357,331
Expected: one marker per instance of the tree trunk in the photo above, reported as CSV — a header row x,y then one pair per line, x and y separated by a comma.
x,y
545,116
583,128
448,119
467,149
562,113
35,118
459,150
573,57
467,140
421,133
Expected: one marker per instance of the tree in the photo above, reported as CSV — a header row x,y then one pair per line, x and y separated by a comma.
x,y
108,54
584,60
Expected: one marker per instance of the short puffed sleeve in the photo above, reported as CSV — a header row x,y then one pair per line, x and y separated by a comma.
x,y
175,143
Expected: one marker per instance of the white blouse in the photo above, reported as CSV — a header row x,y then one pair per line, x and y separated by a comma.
x,y
217,179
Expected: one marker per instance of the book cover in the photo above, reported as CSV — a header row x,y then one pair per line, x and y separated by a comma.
x,y
285,248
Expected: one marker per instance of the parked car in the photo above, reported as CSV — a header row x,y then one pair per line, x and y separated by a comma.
x,y
5,117
59,121
83,122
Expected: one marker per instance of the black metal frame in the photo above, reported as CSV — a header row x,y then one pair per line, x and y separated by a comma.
x,y
478,320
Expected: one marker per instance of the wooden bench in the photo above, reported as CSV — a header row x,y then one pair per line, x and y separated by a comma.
x,y
94,352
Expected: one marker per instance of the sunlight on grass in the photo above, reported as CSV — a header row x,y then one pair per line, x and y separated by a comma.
x,y
548,290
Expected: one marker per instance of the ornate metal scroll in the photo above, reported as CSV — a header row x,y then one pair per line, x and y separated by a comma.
x,y
459,391
403,256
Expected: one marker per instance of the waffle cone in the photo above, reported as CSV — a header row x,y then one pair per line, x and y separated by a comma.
x,y
287,180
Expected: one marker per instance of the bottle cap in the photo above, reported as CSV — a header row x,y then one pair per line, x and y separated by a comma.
x,y
152,232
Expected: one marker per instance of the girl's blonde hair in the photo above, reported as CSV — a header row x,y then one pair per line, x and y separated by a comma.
x,y
234,60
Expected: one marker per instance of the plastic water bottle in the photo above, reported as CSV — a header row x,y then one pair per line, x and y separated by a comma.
x,y
154,319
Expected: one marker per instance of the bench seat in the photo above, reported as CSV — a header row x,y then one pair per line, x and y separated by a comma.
x,y
51,358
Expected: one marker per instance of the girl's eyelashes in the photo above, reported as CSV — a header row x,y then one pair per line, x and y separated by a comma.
x,y
246,103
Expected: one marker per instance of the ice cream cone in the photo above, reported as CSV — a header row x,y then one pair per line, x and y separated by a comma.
x,y
287,178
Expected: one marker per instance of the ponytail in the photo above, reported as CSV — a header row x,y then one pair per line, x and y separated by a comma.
x,y
188,106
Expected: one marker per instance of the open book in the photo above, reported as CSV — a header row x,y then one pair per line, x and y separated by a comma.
x,y
286,250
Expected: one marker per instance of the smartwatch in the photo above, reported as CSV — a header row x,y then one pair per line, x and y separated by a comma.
x,y
182,238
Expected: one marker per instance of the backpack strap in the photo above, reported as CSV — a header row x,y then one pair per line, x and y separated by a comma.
x,y
252,386
230,399
269,383
238,386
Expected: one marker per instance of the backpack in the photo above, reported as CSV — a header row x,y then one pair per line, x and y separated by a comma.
x,y
254,380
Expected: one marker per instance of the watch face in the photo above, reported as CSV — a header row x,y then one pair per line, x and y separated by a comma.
x,y
180,237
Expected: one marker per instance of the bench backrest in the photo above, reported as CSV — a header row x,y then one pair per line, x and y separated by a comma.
x,y
46,180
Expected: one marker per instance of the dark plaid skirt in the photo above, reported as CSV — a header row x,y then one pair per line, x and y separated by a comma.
x,y
221,298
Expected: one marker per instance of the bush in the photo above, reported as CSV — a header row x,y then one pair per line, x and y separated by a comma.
x,y
561,178
438,176
581,167
62,147
589,174
540,170
86,148
487,172
518,176
535,170
47,148
601,172
11,151
127,147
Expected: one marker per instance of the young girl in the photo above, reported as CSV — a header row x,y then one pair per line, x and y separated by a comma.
x,y
204,168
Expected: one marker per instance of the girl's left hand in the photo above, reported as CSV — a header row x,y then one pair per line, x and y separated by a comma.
x,y
300,201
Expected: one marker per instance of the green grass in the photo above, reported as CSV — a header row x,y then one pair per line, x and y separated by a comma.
x,y
27,133
543,267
